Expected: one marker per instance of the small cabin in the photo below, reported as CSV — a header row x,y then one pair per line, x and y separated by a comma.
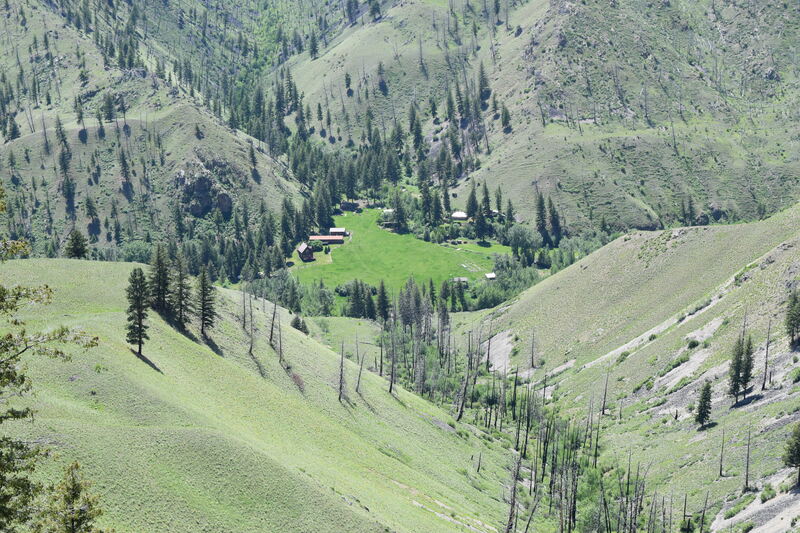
x,y
490,276
460,281
338,231
459,216
328,239
305,252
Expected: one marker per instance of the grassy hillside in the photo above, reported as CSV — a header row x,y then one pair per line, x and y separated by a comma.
x,y
623,125
207,437
179,157
628,312
624,110
373,254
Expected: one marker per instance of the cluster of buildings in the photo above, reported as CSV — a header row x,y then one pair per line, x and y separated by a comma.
x,y
334,236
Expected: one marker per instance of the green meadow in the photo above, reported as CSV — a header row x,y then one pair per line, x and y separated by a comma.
x,y
207,437
372,254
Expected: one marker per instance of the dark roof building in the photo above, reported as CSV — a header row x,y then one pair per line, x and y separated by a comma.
x,y
305,252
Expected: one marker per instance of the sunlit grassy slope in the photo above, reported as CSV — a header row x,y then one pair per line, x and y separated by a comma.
x,y
224,441
628,312
615,112
372,254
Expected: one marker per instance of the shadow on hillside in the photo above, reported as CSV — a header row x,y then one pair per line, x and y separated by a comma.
x,y
147,361
213,346
747,401
180,328
261,371
710,425
398,400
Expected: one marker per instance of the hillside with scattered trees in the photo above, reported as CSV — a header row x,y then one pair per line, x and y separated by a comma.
x,y
408,265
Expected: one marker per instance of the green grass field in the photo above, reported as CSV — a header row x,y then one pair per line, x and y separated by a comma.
x,y
205,443
373,254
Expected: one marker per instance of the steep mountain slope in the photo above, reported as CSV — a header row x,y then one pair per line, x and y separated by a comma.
x,y
615,330
622,111
207,437
625,110
178,158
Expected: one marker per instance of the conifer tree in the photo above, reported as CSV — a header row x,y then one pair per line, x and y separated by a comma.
x,y
555,222
480,225
793,316
791,456
205,295
180,294
382,308
505,119
12,129
541,219
483,83
735,371
313,46
746,374
159,280
138,297
509,215
472,202
703,414
71,508
76,246
486,203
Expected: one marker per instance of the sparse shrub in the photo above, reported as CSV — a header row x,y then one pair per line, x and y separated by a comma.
x,y
624,355
736,509
767,493
795,375
674,364
648,384
693,343
652,337
299,324
685,380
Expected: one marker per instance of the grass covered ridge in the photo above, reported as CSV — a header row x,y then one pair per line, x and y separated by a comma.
x,y
206,443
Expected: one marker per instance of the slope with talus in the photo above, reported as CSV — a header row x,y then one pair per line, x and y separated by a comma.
x,y
640,325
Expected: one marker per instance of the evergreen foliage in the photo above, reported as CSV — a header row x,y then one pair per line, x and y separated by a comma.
x,y
138,295
703,415
791,456
76,247
71,507
159,280
205,301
